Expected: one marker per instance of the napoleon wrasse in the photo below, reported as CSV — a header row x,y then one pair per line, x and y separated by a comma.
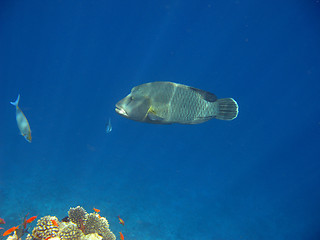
x,y
168,102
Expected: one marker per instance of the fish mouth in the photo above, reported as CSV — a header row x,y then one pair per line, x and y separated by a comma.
x,y
121,111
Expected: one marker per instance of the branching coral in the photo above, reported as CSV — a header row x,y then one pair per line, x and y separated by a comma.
x,y
45,228
100,225
70,232
78,216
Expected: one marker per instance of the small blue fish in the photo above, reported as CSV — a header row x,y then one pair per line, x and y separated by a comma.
x,y
22,121
108,126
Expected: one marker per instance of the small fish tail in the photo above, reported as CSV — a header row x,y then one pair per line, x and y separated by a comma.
x,y
228,109
16,102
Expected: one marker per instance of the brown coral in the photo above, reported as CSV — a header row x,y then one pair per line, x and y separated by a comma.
x,y
45,228
100,225
70,232
78,216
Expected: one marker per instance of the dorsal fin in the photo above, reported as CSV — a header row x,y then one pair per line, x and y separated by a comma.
x,y
210,97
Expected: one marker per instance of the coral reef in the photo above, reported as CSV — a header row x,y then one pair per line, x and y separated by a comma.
x,y
100,225
82,226
13,237
78,215
70,232
93,236
45,228
28,237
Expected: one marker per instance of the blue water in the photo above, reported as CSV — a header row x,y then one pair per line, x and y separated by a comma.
x,y
256,177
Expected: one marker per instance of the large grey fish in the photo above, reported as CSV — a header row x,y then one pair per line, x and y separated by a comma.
x,y
168,102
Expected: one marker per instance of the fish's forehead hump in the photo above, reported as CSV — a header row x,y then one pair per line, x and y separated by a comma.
x,y
140,88
134,90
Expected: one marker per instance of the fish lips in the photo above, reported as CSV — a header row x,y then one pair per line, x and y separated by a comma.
x,y
120,110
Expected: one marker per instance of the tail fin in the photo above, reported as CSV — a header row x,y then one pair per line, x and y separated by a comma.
x,y
16,102
228,109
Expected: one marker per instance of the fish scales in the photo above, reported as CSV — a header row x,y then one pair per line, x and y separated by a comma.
x,y
174,102
183,104
186,105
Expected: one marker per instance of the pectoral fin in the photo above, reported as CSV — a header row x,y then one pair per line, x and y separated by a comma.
x,y
154,117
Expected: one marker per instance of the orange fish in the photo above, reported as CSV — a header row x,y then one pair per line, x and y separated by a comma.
x,y
10,230
48,237
30,220
54,222
121,221
2,221
121,236
82,228
96,210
